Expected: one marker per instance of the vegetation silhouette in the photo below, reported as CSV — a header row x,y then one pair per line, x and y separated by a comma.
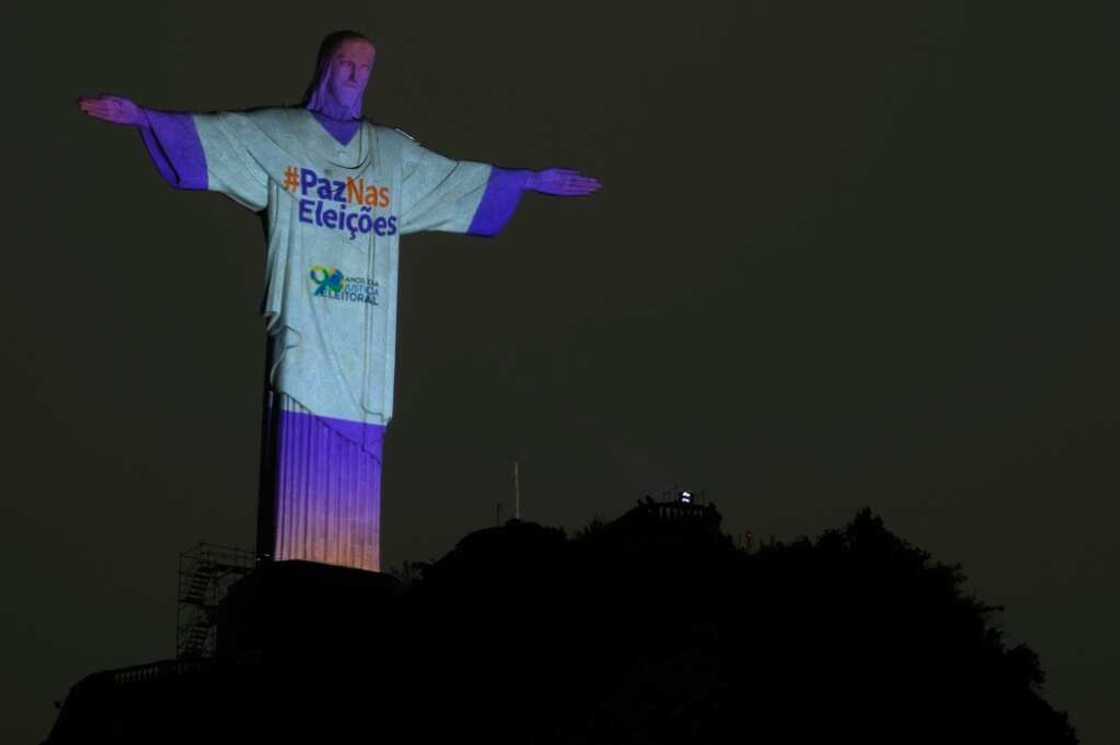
x,y
653,628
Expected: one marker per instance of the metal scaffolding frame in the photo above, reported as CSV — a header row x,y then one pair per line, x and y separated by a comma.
x,y
205,575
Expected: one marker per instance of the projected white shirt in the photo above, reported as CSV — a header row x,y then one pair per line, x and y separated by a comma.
x,y
334,218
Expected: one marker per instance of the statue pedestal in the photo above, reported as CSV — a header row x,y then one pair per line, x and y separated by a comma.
x,y
291,610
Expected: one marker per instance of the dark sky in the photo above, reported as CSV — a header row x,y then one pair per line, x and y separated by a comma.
x,y
847,254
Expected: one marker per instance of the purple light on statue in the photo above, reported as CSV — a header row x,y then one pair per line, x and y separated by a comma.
x,y
337,192
328,488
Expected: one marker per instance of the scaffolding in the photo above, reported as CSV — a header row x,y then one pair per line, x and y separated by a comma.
x,y
205,575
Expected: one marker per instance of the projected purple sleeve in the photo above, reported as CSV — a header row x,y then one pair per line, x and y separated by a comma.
x,y
499,202
175,149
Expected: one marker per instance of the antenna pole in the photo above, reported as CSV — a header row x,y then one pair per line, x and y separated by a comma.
x,y
516,492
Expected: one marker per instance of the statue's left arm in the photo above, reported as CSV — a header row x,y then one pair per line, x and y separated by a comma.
x,y
474,198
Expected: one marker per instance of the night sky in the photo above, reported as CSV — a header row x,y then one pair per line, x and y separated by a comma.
x,y
846,254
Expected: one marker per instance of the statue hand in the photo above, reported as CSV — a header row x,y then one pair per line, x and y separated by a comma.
x,y
113,109
562,183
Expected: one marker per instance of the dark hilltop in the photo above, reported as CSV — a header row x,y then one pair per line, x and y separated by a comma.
x,y
653,628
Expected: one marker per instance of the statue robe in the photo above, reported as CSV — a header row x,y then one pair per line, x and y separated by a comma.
x,y
336,197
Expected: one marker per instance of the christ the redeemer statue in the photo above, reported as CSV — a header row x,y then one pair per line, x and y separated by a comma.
x,y
337,192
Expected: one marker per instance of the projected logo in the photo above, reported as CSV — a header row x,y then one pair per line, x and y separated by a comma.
x,y
329,282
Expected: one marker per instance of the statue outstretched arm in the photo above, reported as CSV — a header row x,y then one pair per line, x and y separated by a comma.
x,y
505,187
175,147
443,194
171,139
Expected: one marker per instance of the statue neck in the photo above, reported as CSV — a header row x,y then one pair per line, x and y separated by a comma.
x,y
329,107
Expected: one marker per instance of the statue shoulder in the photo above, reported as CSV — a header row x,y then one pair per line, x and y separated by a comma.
x,y
392,134
397,144
400,131
278,117
271,119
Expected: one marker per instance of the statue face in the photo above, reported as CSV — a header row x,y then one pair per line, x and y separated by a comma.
x,y
350,68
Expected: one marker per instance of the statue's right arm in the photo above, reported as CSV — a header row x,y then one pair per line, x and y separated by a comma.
x,y
114,109
171,138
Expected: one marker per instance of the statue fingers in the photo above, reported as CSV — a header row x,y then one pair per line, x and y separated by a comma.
x,y
105,112
575,191
583,185
95,108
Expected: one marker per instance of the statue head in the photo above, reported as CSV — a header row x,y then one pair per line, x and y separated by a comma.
x,y
341,74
